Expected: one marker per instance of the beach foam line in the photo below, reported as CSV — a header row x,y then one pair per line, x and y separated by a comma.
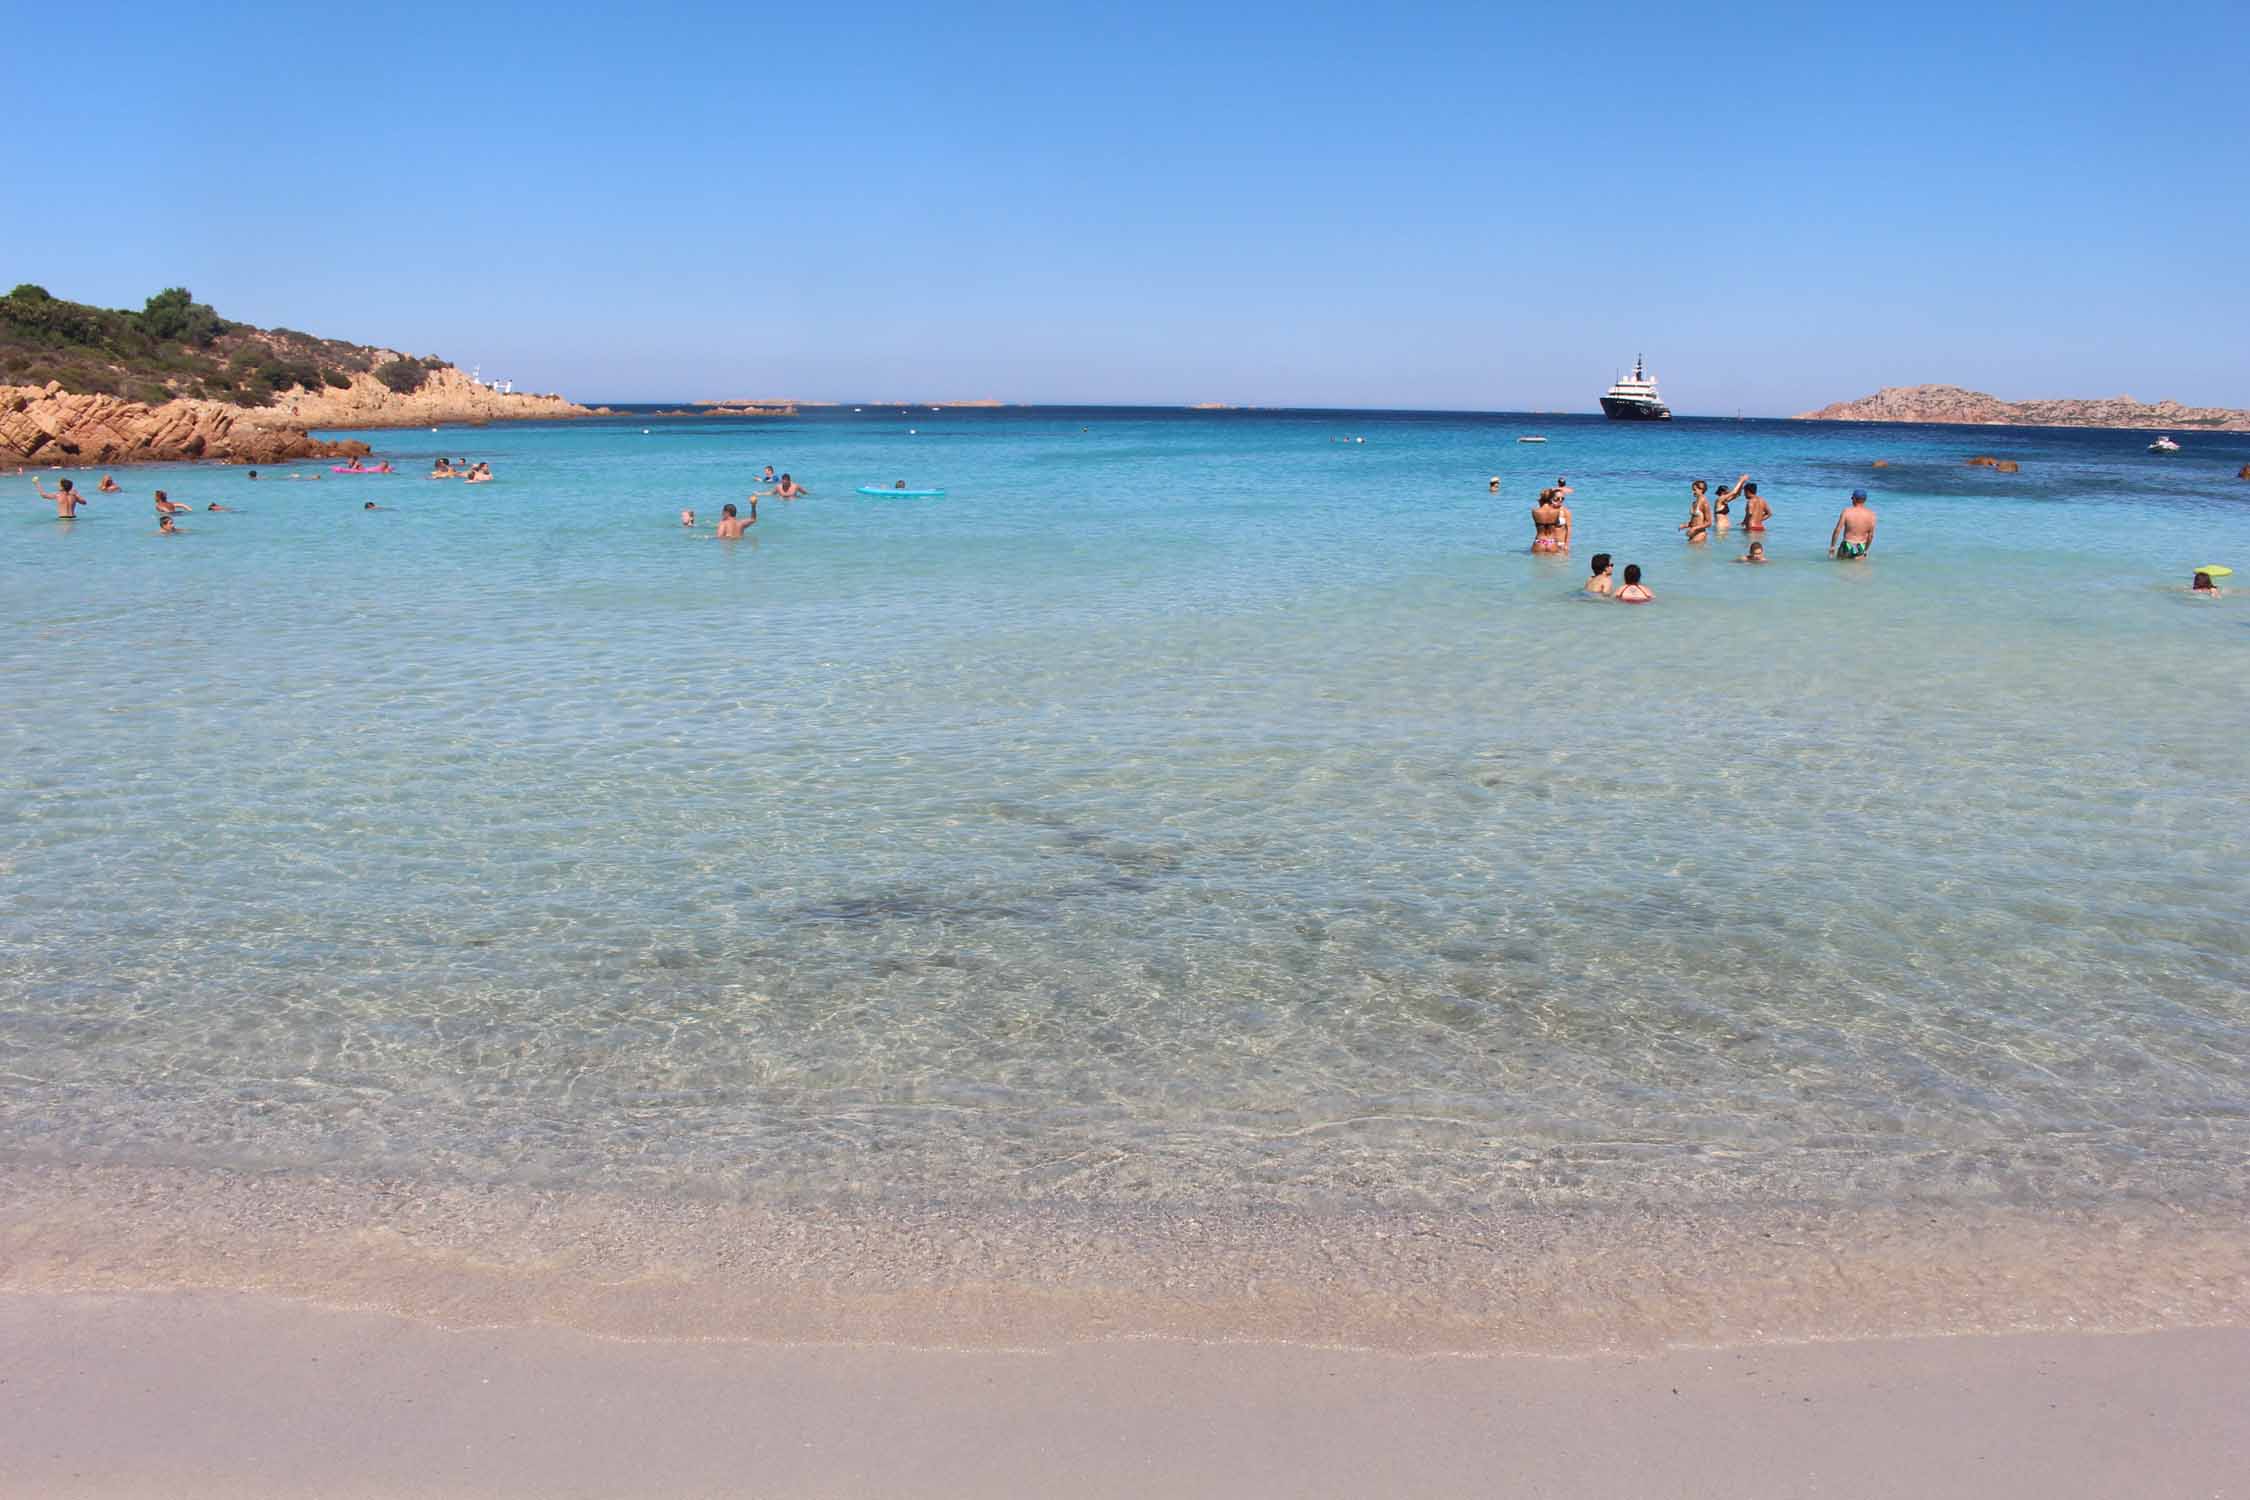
x,y
935,1275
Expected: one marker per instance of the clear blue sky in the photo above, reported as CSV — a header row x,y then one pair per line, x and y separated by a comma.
x,y
1414,205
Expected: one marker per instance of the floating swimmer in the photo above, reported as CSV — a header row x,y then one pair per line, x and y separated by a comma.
x,y
2205,581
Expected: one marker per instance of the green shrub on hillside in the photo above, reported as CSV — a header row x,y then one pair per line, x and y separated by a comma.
x,y
404,376
181,346
174,316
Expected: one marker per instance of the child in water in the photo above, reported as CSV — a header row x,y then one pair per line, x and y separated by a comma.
x,y
1633,592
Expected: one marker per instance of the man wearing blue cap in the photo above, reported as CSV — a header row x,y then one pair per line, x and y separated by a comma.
x,y
1855,530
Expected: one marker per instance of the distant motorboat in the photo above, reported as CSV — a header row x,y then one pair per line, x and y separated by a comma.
x,y
1531,438
2164,445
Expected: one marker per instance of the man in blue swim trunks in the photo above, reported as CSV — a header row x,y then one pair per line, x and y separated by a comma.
x,y
1855,530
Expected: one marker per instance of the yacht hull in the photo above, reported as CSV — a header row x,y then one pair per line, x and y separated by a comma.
x,y
1635,411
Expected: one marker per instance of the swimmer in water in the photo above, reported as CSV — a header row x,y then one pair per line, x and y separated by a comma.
x,y
215,505
767,478
169,507
1756,554
108,486
1600,583
371,505
1494,487
254,474
687,518
481,474
731,526
2204,587
67,499
790,489
1633,592
900,485
166,526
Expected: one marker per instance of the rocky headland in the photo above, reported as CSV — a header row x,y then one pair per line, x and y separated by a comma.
x,y
1954,405
89,385
49,425
445,395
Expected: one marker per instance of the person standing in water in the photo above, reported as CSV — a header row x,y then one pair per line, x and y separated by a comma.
x,y
1755,511
1727,497
1562,522
731,525
1698,523
1545,516
67,499
1634,592
1854,532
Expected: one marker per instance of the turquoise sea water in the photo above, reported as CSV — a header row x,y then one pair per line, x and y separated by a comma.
x,y
1189,809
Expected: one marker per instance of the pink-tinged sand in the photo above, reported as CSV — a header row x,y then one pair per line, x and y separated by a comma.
x,y
187,1395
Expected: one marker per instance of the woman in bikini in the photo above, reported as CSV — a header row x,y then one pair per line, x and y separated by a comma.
x,y
1546,521
1698,523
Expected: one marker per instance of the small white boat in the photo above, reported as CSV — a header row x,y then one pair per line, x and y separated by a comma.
x,y
2164,445
1533,438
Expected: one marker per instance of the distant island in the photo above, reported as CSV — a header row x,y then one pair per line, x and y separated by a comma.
x,y
94,385
1952,404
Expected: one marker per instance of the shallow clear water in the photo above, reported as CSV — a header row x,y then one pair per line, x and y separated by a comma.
x,y
1187,809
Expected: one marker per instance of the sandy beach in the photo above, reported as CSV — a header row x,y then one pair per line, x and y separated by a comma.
x,y
192,1395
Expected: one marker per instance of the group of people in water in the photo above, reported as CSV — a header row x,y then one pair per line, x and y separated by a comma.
x,y
732,523
1551,524
69,500
1850,539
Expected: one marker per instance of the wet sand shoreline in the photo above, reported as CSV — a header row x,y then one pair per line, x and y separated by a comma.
x,y
194,1395
938,1275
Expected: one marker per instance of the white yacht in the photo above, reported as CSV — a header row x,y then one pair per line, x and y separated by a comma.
x,y
1636,400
